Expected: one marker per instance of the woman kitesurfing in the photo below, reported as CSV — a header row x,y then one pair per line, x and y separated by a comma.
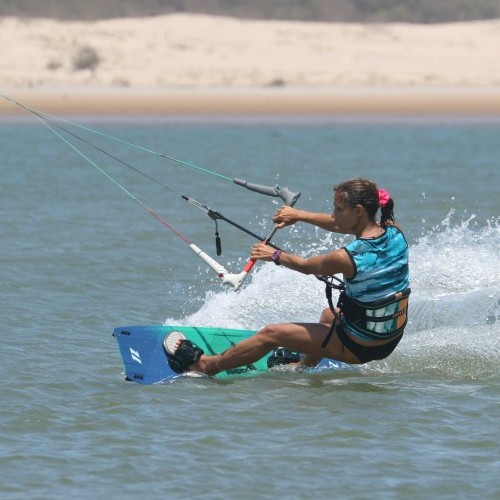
x,y
371,314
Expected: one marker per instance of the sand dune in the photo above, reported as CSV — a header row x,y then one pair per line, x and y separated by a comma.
x,y
189,63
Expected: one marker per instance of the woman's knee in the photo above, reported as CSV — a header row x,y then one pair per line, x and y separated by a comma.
x,y
271,335
327,316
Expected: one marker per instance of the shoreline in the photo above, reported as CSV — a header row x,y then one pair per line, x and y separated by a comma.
x,y
257,101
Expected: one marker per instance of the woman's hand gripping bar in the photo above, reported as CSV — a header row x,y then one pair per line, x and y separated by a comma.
x,y
236,280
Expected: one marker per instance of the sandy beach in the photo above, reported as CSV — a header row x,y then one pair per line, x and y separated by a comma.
x,y
201,65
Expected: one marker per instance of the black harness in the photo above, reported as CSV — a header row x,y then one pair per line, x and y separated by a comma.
x,y
377,319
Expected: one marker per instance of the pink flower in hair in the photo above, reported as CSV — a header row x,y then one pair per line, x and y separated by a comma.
x,y
383,197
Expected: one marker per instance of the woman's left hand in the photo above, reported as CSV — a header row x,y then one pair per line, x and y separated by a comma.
x,y
261,252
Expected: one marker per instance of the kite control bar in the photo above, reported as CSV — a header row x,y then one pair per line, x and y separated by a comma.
x,y
236,280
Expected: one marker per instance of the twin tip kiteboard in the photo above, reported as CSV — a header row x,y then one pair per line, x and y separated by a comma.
x,y
145,360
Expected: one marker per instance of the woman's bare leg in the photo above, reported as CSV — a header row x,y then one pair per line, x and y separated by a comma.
x,y
303,337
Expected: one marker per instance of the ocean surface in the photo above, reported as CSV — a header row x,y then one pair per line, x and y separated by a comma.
x,y
80,255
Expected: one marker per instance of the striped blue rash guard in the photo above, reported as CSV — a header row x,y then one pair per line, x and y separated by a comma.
x,y
380,270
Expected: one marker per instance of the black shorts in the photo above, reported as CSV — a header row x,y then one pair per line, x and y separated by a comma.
x,y
366,353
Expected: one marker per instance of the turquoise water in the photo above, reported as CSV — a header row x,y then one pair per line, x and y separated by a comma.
x,y
80,257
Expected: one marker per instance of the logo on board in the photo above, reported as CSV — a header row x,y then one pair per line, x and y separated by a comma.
x,y
135,355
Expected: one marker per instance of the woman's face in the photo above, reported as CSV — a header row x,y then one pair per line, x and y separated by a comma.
x,y
346,217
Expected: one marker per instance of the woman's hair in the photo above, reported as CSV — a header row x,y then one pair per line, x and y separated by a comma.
x,y
366,193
